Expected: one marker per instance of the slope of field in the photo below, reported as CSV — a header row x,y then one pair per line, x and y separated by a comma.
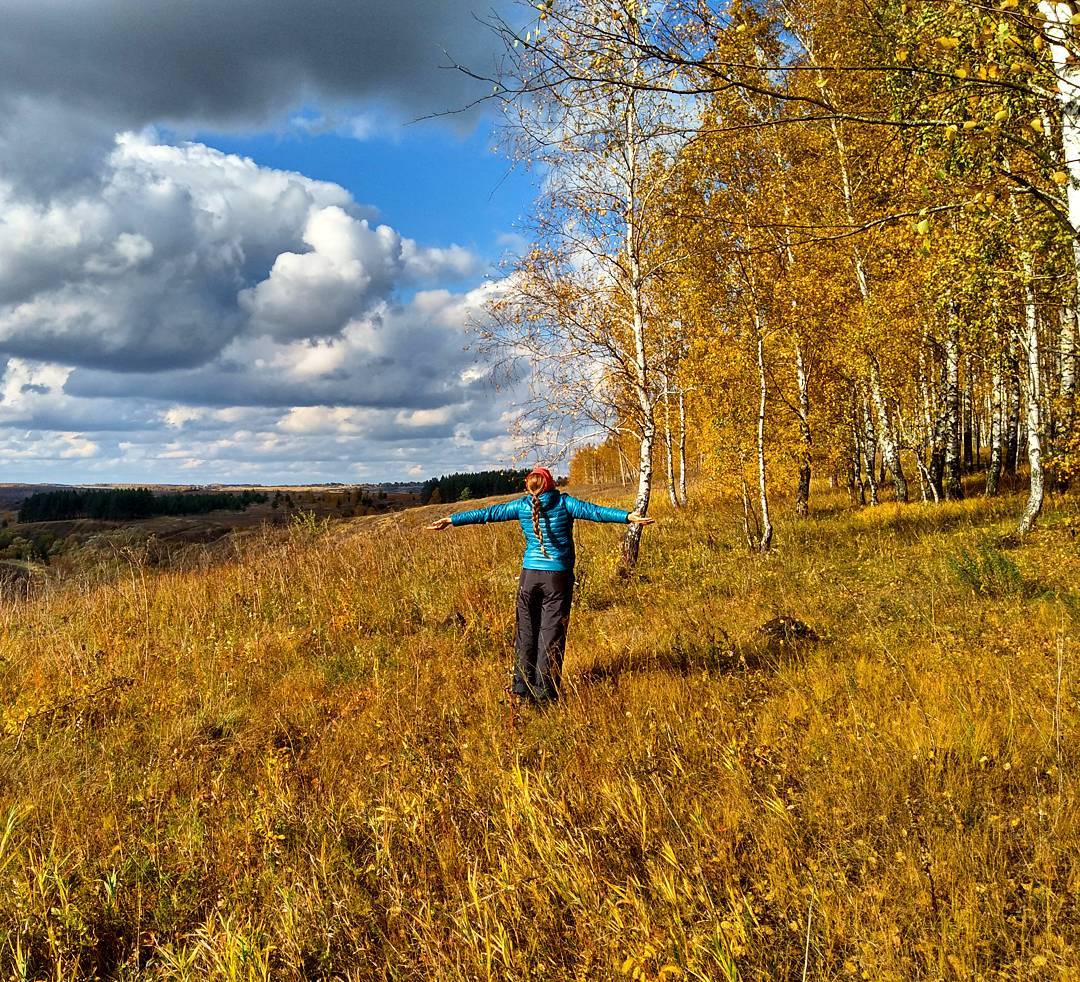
x,y
298,762
31,552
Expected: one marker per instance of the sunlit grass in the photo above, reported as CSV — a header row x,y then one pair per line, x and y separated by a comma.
x,y
313,773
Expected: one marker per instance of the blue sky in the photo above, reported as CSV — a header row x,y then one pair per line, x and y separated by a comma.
x,y
226,254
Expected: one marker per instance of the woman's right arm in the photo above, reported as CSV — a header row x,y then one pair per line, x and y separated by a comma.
x,y
507,511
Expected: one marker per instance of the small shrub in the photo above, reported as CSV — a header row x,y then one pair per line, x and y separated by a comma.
x,y
990,572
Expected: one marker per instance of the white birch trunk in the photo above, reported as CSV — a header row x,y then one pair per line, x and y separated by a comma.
x,y
953,487
765,542
682,446
1067,343
997,428
890,452
870,449
669,448
1031,386
635,293
632,540
971,436
806,451
1057,30
1067,350
1032,405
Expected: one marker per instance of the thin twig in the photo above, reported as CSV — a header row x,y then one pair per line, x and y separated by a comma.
x,y
118,682
806,952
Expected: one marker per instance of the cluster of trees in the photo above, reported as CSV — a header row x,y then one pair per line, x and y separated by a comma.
x,y
808,237
462,487
120,504
36,547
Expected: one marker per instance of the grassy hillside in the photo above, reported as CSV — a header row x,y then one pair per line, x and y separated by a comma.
x,y
297,762
33,552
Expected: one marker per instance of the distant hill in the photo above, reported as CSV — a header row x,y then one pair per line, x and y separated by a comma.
x,y
13,495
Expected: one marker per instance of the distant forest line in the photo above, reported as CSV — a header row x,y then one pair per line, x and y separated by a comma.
x,y
120,504
128,503
463,486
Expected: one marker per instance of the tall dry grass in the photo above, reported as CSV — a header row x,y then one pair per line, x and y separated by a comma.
x,y
296,761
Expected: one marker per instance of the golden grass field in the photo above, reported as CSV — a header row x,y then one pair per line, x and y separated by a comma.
x,y
296,762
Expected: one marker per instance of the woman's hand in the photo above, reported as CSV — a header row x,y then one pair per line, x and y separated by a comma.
x,y
442,523
636,518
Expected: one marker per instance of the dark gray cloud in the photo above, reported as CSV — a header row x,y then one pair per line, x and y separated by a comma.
x,y
406,356
73,74
239,62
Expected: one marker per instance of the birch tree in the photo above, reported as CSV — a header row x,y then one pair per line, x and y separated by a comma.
x,y
581,309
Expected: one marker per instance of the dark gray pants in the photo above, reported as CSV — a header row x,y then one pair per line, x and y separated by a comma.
x,y
543,613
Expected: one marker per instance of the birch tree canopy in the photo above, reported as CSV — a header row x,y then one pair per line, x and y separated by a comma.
x,y
804,239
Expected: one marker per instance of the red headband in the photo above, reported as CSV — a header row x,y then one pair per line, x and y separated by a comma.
x,y
549,481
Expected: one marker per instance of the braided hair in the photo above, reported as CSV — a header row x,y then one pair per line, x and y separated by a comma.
x,y
535,485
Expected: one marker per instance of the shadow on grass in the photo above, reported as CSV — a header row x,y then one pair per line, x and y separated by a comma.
x,y
910,523
777,643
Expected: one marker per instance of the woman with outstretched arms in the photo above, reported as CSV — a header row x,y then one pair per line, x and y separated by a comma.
x,y
546,586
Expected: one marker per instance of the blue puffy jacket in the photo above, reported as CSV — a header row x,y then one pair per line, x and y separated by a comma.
x,y
557,514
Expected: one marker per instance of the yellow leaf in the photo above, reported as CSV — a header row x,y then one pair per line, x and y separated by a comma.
x,y
1001,115
949,42
970,124
1059,177
962,72
923,227
1036,124
901,54
950,131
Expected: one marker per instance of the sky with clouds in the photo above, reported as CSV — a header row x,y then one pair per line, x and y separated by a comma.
x,y
229,251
